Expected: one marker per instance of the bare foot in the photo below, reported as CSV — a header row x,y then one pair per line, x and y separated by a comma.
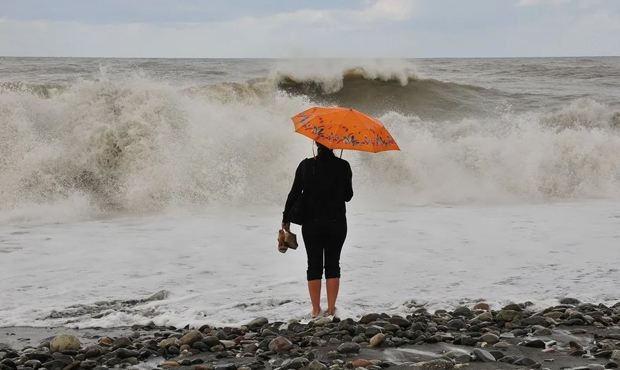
x,y
316,314
331,312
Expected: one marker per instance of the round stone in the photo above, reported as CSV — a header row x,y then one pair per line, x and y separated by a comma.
x,y
64,342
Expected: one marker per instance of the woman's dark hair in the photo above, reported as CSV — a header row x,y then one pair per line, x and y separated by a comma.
x,y
322,149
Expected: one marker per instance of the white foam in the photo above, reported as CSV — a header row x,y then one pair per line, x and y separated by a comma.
x,y
330,73
221,266
135,144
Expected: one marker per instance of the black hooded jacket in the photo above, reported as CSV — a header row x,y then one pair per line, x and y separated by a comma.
x,y
325,182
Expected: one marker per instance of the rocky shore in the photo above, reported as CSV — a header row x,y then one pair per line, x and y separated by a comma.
x,y
570,335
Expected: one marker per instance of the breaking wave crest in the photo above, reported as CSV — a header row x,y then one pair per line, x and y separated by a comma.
x,y
118,144
379,88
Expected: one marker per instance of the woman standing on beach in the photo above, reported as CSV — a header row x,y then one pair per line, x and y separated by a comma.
x,y
324,185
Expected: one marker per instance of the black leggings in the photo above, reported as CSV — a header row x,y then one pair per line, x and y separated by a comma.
x,y
324,238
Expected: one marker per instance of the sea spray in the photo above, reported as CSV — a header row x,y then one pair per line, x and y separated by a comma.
x,y
135,143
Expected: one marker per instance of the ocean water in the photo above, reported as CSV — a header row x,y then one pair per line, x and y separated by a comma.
x,y
121,178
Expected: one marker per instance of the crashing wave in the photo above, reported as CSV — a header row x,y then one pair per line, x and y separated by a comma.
x,y
141,145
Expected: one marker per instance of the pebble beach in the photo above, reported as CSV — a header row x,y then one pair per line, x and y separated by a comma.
x,y
569,335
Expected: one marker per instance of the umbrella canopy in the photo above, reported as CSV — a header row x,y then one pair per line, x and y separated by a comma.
x,y
344,128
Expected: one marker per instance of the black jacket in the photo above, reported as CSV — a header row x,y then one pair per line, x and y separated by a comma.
x,y
325,182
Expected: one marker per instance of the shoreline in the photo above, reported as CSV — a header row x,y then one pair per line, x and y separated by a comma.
x,y
570,335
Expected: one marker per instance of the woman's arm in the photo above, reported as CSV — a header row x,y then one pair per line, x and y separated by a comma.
x,y
348,183
296,190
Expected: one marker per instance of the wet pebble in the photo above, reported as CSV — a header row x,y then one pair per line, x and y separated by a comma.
x,y
489,338
483,355
377,340
349,347
280,344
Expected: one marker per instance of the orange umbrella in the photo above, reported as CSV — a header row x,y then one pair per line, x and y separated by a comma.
x,y
344,128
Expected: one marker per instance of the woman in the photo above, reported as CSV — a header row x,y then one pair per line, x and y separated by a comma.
x,y
325,182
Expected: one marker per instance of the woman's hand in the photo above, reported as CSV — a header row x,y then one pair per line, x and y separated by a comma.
x,y
286,226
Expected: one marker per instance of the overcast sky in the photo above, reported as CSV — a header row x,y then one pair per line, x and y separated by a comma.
x,y
303,28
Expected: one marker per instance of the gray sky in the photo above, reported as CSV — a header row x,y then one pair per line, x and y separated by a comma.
x,y
302,28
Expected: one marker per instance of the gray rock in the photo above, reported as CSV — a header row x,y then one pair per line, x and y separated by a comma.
x,y
316,365
5,347
512,307
400,321
524,361
489,338
334,341
367,319
55,364
510,359
485,316
130,360
465,340
377,340
62,357
250,348
322,321
535,320
211,340
535,343
280,344
295,363
456,324
228,343
145,353
615,355
225,367
34,364
88,364
435,364
349,347
543,332
217,348
7,363
190,337
125,353
372,330
200,345
568,300
507,315
121,342
165,343
502,345
173,350
64,342
484,356
93,351
39,355
458,356
348,325
463,311
257,323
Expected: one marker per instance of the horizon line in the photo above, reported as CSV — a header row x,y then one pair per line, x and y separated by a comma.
x,y
311,58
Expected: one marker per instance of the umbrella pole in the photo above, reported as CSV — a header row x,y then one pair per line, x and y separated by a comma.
x,y
312,145
340,153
